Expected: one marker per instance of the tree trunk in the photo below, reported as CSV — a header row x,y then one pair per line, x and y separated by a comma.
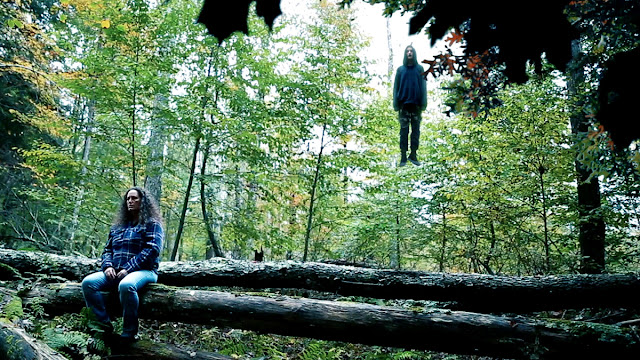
x,y
437,330
591,223
312,197
134,171
155,161
185,204
492,248
214,245
390,47
394,246
443,247
91,107
547,243
470,291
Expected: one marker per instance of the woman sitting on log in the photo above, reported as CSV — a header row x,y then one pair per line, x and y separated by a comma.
x,y
129,261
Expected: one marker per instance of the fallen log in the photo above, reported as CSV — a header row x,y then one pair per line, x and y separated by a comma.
x,y
475,292
16,344
445,331
14,263
144,350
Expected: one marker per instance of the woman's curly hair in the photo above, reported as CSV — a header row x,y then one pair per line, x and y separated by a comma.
x,y
149,209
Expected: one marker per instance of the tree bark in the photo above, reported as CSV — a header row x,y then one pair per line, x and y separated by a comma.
x,y
437,330
470,291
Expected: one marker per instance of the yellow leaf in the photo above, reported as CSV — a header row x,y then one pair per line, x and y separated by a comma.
x,y
105,24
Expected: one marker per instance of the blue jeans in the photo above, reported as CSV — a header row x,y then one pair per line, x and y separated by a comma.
x,y
128,288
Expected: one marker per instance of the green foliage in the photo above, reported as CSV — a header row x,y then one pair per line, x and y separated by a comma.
x,y
70,335
12,310
65,341
318,350
35,309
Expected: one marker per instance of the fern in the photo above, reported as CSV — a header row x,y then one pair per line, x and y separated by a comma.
x,y
265,345
317,350
408,355
235,348
97,346
67,340
36,310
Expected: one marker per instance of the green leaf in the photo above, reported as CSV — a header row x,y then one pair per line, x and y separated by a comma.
x,y
15,23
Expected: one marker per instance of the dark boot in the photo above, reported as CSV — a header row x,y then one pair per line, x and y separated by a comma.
x,y
101,331
127,340
413,157
403,159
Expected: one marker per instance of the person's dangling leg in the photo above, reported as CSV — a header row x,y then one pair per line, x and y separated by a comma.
x,y
128,291
92,285
404,120
416,119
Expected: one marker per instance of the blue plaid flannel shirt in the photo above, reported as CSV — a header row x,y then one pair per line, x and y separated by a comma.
x,y
134,247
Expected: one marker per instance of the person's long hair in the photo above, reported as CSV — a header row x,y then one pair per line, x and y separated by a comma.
x,y
149,209
412,62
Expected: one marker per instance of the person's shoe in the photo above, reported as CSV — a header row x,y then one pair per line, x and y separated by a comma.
x,y
413,157
403,159
127,340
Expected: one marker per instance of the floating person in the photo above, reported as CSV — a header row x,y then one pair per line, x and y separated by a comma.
x,y
409,100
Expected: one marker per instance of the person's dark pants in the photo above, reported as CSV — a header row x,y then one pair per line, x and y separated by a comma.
x,y
409,117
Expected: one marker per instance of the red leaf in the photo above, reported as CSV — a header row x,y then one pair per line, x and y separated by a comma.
x,y
455,37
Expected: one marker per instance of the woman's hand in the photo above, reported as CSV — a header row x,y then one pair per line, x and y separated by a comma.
x,y
122,273
110,273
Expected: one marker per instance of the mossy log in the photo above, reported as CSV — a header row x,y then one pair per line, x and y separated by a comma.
x,y
447,331
474,292
145,350
16,344
17,263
